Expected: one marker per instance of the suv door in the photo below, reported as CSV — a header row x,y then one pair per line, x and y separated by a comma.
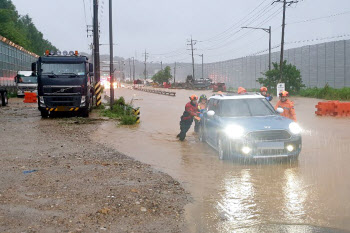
x,y
212,123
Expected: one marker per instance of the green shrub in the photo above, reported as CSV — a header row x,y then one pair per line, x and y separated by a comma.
x,y
121,111
128,120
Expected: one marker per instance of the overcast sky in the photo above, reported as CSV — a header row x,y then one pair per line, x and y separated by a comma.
x,y
163,26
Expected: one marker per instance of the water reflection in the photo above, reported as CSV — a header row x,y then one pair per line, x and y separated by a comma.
x,y
294,196
237,205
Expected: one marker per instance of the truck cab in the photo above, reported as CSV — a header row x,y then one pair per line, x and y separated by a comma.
x,y
26,82
65,83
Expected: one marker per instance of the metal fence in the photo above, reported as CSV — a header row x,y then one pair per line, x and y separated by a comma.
x,y
319,64
12,59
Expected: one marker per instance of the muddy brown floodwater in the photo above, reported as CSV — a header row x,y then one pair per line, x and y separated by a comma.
x,y
312,195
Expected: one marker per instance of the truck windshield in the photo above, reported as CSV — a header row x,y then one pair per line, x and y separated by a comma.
x,y
246,107
27,79
63,69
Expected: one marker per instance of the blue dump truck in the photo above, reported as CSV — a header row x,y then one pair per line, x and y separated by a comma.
x,y
65,83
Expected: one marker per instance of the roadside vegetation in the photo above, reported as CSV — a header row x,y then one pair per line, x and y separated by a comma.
x,y
21,30
121,111
327,93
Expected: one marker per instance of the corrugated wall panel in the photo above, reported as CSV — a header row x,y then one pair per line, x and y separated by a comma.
x,y
313,65
347,63
321,66
339,69
305,65
330,64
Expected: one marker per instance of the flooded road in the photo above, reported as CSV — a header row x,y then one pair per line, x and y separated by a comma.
x,y
233,197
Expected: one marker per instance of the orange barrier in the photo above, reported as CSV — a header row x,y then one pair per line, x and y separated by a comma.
x,y
333,108
30,97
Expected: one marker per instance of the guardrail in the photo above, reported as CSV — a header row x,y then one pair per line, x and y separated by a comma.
x,y
155,91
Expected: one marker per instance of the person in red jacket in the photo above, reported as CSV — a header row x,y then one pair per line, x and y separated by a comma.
x,y
287,105
191,111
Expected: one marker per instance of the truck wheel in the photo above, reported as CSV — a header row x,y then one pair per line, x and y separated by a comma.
x,y
44,114
85,112
4,98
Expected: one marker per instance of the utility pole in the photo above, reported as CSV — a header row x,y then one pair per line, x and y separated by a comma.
x,y
130,68
111,68
161,65
174,72
268,30
145,72
97,54
285,3
133,68
192,43
202,65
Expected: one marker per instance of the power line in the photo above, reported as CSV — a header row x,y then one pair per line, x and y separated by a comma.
x,y
322,17
85,13
235,24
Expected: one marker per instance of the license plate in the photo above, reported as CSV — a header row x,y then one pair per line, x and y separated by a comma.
x,y
270,145
62,108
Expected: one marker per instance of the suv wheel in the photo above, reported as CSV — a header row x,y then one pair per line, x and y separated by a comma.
x,y
222,148
201,134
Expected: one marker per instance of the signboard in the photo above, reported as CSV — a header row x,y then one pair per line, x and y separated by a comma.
x,y
280,88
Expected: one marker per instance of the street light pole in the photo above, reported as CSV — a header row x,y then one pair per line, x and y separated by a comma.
x,y
202,56
111,71
268,30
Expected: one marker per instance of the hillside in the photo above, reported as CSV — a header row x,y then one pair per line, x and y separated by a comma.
x,y
21,30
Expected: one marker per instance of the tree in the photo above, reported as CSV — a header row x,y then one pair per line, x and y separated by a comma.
x,y
163,76
21,30
291,77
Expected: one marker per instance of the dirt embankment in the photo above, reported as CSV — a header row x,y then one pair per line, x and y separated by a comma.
x,y
75,185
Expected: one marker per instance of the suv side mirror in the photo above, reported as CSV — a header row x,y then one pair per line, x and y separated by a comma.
x,y
91,69
34,67
210,113
280,110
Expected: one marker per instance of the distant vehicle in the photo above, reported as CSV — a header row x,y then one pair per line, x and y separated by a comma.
x,y
219,87
248,127
65,83
26,82
4,97
197,84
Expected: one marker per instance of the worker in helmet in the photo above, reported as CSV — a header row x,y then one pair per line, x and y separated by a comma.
x,y
287,106
202,105
191,111
263,92
241,91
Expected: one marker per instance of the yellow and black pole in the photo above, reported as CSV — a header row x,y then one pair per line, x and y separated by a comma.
x,y
98,91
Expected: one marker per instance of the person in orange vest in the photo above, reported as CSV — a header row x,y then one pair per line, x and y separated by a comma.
x,y
263,92
191,111
241,91
287,106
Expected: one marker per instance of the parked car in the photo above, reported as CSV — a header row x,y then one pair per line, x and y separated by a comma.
x,y
248,127
4,97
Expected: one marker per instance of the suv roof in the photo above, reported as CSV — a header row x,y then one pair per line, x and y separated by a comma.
x,y
252,95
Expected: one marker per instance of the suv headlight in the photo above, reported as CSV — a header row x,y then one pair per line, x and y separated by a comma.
x,y
295,128
234,131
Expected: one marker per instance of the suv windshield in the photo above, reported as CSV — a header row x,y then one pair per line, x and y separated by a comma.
x,y
27,79
63,68
246,107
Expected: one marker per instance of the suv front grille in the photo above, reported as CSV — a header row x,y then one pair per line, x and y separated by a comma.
x,y
269,135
